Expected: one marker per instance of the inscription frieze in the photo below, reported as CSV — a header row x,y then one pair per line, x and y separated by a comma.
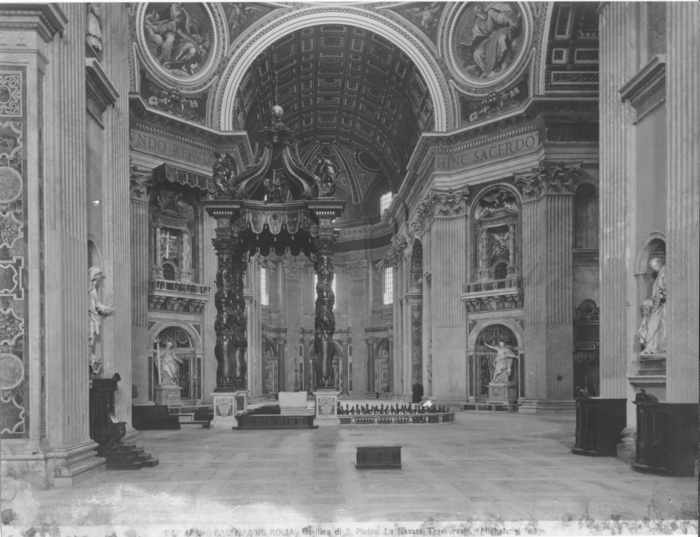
x,y
167,148
486,153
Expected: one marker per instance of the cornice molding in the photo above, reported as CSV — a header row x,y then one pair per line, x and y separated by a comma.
x,y
647,89
45,19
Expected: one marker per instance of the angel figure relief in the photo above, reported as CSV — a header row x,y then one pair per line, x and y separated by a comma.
x,y
239,15
490,38
427,16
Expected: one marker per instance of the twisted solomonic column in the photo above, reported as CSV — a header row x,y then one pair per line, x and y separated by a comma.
x,y
325,300
230,323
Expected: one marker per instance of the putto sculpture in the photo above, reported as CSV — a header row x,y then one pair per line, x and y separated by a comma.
x,y
96,310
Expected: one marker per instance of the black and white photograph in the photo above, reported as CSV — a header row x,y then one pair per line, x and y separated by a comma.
x,y
349,268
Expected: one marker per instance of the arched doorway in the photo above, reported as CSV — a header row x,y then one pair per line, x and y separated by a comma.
x,y
189,371
482,360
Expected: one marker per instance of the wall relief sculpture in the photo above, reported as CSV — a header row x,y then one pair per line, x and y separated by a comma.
x,y
488,42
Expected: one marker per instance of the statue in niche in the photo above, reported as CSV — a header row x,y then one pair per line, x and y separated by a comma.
x,y
94,33
327,172
502,363
652,332
168,365
96,310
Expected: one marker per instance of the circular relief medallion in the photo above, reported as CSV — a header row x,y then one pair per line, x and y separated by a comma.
x,y
488,42
179,39
11,371
10,184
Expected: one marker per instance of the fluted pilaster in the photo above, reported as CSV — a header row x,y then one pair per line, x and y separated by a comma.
x,y
683,255
116,218
448,251
617,63
66,236
547,221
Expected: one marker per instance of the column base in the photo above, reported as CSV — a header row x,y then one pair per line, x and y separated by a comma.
x,y
326,408
226,406
78,465
547,406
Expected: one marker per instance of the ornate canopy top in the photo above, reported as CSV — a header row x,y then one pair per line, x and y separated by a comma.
x,y
277,174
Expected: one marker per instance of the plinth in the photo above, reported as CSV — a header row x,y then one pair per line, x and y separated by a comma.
x,y
504,393
226,406
169,395
326,408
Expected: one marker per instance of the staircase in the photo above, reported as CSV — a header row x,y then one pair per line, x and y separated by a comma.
x,y
127,457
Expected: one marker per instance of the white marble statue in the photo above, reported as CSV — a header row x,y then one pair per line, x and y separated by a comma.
x,y
652,332
96,310
168,365
502,362
94,33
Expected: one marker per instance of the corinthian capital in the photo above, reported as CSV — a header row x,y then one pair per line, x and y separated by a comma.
x,y
548,179
450,203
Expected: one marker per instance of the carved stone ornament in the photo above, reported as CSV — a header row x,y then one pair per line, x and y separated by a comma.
x,y
140,182
293,269
587,310
544,179
424,213
451,203
357,269
94,30
397,250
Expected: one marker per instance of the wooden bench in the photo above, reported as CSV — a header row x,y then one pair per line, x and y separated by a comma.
x,y
381,457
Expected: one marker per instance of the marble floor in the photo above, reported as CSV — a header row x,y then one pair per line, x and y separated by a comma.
x,y
486,466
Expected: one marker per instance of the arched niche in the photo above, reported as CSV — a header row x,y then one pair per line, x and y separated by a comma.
x,y
175,229
653,245
187,345
270,367
480,359
495,214
94,256
382,366
586,234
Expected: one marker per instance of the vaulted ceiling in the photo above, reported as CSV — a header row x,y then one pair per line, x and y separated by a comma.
x,y
342,85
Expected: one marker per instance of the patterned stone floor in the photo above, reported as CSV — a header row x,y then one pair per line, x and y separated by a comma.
x,y
485,466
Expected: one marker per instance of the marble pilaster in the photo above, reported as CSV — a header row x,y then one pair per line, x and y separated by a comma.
x,y
448,273
617,45
683,250
547,221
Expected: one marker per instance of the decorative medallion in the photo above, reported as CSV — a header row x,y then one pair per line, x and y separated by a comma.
x,y
488,42
10,184
11,371
180,43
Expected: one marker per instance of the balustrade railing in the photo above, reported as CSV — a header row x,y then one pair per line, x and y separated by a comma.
x,y
178,287
494,285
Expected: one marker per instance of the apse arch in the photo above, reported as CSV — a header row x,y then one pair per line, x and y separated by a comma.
x,y
157,328
485,323
243,57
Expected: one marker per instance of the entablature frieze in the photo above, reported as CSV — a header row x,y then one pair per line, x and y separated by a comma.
x,y
493,295
164,295
564,117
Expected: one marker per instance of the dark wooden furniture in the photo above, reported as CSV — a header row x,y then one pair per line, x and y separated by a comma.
x,y
251,420
667,437
599,425
378,457
108,431
158,417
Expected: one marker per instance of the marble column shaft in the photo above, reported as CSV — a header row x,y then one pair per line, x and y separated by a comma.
x,y
426,336
547,280
139,295
208,277
683,251
370,364
617,46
